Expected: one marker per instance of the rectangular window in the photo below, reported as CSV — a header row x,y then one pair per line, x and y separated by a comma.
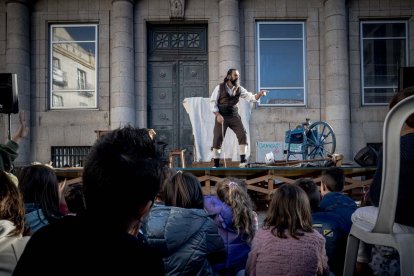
x,y
281,63
81,79
73,66
384,49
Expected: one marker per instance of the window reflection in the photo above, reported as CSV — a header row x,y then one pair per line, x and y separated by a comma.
x,y
281,63
73,50
384,47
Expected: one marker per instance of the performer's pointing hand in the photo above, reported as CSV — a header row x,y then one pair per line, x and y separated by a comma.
x,y
260,94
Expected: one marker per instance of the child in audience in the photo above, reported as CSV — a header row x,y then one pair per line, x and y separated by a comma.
x,y
333,200
236,220
40,189
183,230
12,225
74,199
287,243
329,224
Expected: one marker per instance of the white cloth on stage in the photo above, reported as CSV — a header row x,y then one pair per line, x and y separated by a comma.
x,y
202,122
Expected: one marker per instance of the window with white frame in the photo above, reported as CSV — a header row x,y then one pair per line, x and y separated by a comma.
x,y
81,79
281,63
384,49
73,66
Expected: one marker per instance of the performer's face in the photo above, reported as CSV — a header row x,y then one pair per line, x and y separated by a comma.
x,y
235,77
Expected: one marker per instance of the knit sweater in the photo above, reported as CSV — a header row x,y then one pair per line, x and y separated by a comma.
x,y
271,255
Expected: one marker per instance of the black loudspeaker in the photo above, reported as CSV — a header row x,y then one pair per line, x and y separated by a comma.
x,y
366,157
405,77
9,102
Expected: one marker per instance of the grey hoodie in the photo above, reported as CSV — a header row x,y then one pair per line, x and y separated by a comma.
x,y
11,247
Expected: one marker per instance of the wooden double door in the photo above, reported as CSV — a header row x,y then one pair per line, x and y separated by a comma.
x,y
177,69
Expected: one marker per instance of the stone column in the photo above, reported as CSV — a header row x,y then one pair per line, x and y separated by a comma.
x,y
122,92
18,62
229,36
337,75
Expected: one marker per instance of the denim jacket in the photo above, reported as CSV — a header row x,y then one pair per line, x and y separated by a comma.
x,y
35,219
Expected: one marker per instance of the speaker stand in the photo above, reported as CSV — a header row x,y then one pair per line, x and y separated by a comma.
x,y
9,132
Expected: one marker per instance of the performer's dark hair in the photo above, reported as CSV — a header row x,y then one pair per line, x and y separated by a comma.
x,y
229,72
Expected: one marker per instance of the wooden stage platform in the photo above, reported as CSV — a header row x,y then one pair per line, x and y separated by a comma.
x,y
262,180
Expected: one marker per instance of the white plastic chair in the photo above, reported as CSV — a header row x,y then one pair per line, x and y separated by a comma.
x,y
382,233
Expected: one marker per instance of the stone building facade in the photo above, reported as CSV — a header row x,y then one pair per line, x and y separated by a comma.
x,y
337,81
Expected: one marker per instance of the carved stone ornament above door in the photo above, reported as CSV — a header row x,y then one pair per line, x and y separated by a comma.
x,y
177,8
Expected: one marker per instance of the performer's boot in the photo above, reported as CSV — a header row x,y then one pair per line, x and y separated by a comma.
x,y
243,158
216,162
243,161
216,156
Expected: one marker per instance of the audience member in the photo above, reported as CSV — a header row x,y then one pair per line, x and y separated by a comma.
x,y
405,201
40,189
385,260
236,220
12,225
311,189
287,243
183,230
333,200
121,178
74,199
8,151
329,224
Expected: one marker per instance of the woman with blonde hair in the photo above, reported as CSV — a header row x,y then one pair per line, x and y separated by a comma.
x,y
287,244
236,220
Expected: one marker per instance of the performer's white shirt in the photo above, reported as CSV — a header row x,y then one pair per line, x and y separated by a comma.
x,y
244,94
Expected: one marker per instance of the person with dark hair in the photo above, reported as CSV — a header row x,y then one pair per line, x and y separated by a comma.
x,y
74,199
310,188
12,226
234,215
40,188
184,191
333,200
223,103
329,223
287,244
121,178
183,230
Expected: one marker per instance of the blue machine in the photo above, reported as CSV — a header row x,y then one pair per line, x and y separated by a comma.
x,y
316,140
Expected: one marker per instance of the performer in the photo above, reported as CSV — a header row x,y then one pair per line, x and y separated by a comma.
x,y
223,104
